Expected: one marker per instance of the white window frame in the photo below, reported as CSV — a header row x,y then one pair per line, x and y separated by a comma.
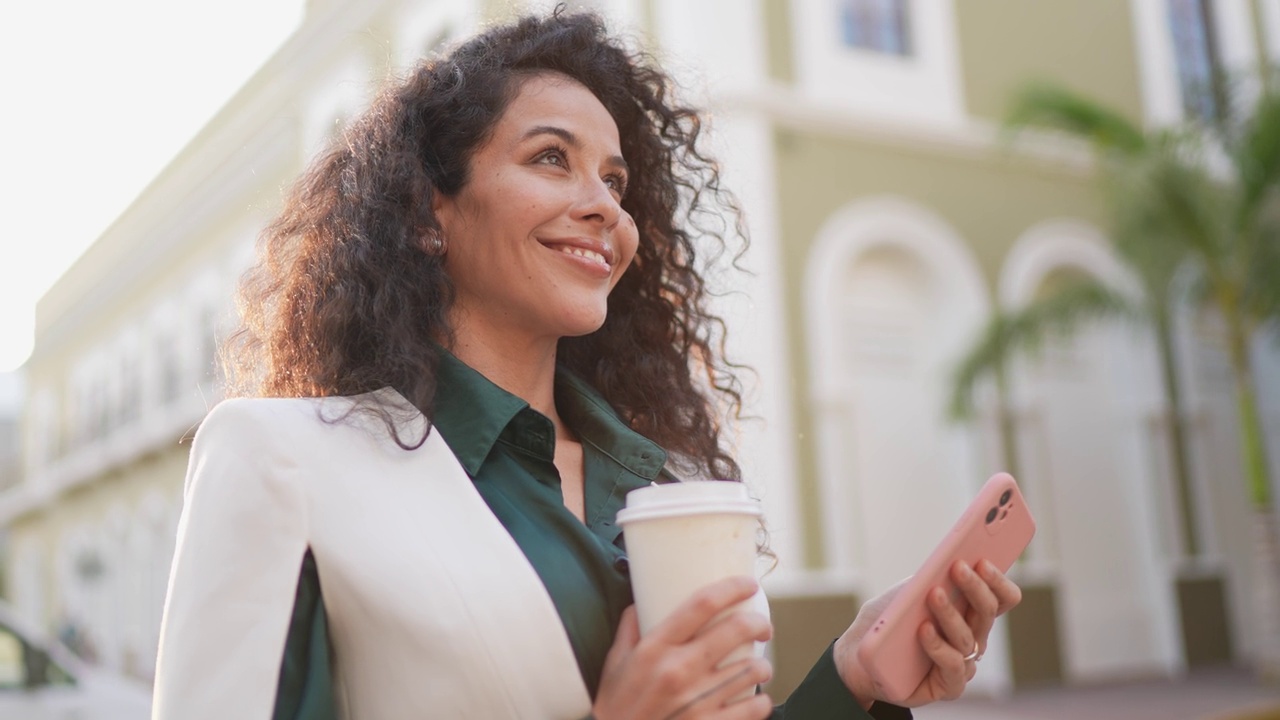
x,y
925,87
1157,67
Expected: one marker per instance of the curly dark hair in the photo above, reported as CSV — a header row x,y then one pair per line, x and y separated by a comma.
x,y
347,296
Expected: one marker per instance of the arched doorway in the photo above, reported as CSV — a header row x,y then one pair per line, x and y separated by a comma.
x,y
1084,411
892,296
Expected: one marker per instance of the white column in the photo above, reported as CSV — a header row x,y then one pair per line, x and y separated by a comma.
x,y
716,50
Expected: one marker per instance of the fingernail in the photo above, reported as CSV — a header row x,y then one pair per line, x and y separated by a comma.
x,y
939,596
965,570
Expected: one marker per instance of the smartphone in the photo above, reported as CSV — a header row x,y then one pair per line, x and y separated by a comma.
x,y
997,526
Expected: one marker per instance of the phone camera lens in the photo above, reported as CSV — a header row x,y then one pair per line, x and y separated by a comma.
x,y
991,515
1004,498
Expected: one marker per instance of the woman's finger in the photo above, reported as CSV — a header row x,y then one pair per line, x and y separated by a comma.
x,y
953,626
727,687
980,596
982,602
628,633
1006,591
949,672
734,630
692,615
756,707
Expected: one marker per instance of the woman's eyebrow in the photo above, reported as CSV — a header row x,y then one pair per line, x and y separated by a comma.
x,y
617,161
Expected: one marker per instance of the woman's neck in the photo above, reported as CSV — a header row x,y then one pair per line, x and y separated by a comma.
x,y
525,368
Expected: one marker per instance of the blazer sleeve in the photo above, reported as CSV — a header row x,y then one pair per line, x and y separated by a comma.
x,y
241,541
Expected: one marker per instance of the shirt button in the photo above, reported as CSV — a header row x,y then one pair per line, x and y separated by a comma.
x,y
622,565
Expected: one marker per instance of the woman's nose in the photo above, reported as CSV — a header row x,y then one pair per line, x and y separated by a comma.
x,y
597,202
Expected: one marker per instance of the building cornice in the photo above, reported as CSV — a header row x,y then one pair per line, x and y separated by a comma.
x,y
972,138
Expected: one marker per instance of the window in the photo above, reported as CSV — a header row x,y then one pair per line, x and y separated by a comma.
x,y
888,60
169,369
1195,50
876,25
47,437
131,389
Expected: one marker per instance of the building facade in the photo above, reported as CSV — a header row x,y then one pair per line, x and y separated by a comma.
x,y
888,220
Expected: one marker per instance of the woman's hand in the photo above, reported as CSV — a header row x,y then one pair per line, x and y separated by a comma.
x,y
947,639
673,671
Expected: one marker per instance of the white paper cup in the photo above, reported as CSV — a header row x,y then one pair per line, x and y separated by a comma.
x,y
684,536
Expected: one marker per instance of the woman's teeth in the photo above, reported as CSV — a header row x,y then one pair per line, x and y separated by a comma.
x,y
580,252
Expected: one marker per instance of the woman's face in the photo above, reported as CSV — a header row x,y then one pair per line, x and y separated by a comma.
x,y
537,238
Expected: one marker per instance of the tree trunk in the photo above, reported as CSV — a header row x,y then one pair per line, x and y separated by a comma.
x,y
1254,452
1177,433
1008,424
1266,632
1266,626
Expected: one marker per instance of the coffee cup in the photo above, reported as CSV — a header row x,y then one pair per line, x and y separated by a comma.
x,y
683,536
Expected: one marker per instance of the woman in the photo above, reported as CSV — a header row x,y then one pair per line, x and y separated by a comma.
x,y
470,335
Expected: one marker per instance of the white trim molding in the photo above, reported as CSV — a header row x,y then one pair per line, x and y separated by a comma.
x,y
865,224
1057,243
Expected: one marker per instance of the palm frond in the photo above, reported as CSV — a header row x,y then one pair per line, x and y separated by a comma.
x,y
1144,233
1009,335
1051,107
1262,288
1166,201
1254,147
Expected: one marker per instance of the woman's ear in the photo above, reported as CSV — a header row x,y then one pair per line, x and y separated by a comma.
x,y
434,238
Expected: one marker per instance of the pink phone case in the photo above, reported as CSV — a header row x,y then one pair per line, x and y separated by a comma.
x,y
997,526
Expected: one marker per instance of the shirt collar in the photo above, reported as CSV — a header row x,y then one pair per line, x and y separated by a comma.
x,y
471,413
595,422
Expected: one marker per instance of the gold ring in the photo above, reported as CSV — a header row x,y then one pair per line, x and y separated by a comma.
x,y
975,655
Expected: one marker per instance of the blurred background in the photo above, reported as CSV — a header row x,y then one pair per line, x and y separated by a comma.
x,y
985,235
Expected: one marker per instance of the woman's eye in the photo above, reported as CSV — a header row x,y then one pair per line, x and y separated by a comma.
x,y
617,183
554,157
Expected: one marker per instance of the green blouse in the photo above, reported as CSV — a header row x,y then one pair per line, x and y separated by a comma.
x,y
508,449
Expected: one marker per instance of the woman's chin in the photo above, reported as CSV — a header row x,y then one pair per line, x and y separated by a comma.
x,y
583,325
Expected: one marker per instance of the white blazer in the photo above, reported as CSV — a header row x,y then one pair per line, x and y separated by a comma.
x,y
433,609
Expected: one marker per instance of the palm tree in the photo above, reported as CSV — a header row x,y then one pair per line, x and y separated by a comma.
x,y
1204,197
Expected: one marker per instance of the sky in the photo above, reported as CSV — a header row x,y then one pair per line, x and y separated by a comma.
x,y
98,96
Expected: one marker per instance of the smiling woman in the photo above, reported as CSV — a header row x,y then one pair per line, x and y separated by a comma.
x,y
538,238
477,324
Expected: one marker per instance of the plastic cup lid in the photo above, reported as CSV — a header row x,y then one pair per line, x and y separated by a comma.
x,y
694,497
